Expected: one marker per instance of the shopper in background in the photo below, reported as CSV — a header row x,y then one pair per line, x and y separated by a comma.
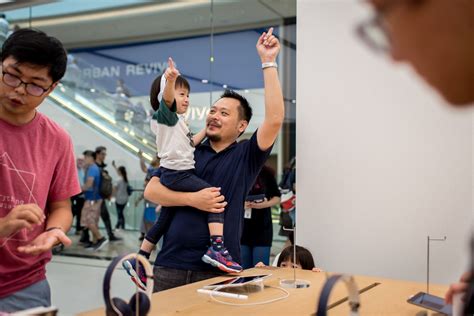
x,y
257,235
121,193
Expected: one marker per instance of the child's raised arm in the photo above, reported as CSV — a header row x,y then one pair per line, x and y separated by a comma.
x,y
171,74
197,139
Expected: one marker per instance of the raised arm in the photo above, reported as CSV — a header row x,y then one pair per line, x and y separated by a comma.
x,y
142,162
171,75
197,139
208,200
268,47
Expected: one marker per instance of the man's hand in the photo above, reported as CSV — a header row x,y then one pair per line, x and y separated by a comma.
x,y
171,73
208,200
259,205
460,287
45,242
21,216
268,46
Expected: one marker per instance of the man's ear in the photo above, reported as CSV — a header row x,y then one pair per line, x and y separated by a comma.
x,y
52,88
243,125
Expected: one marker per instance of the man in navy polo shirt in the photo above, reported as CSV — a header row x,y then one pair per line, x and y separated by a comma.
x,y
230,166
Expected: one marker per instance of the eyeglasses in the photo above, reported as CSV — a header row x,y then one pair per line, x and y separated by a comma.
x,y
30,88
373,31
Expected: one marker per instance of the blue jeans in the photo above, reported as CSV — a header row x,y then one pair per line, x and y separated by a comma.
x,y
183,181
253,255
35,295
168,278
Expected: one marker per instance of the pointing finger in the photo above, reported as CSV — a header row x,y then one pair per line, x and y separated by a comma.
x,y
171,63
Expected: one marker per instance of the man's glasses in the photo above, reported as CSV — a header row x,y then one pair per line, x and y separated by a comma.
x,y
373,31
374,34
30,88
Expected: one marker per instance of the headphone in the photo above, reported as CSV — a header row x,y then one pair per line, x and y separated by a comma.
x,y
116,306
354,302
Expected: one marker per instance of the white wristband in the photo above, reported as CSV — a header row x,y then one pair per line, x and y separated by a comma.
x,y
269,65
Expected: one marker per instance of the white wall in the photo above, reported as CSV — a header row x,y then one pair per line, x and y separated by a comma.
x,y
85,137
382,160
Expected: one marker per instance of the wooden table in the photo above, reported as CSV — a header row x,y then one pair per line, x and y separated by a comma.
x,y
185,300
378,297
389,298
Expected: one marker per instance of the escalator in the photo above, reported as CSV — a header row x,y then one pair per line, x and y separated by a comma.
x,y
114,116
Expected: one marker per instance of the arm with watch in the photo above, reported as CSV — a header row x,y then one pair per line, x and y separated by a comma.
x,y
58,223
268,47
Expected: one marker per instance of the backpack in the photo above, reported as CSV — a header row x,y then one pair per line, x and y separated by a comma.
x,y
129,189
106,187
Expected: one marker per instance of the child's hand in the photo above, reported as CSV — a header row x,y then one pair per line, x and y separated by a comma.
x,y
317,270
171,73
260,264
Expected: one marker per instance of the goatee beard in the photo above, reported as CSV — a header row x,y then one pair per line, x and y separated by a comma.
x,y
213,138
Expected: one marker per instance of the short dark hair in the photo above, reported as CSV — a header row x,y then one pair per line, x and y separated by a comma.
x,y
245,111
99,149
35,47
155,89
303,257
89,153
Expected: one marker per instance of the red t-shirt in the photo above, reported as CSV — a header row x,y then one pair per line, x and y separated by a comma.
x,y
37,165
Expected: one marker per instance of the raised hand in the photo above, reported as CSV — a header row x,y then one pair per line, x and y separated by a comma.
x,y
171,73
268,46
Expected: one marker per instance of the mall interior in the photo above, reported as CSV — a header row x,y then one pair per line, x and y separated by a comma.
x,y
384,172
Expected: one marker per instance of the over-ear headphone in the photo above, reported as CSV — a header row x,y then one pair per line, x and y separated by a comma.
x,y
139,304
354,302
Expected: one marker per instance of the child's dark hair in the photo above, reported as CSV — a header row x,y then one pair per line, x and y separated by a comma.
x,y
303,257
245,111
34,47
181,82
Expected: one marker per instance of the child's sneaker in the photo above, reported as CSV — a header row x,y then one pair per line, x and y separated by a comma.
x,y
221,259
140,278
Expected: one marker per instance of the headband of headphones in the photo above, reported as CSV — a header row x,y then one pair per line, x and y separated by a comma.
x,y
354,302
113,265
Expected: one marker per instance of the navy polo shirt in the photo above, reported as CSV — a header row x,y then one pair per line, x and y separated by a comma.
x,y
234,170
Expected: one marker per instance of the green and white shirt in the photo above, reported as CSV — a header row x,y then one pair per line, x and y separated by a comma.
x,y
174,142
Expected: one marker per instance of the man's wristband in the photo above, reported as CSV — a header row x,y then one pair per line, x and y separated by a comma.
x,y
51,228
271,64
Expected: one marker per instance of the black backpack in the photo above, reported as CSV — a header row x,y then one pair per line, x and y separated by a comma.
x,y
106,186
129,189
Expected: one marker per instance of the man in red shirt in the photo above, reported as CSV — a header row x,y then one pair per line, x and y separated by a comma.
x,y
37,169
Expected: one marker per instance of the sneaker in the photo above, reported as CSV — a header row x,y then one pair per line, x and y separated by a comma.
x,y
89,245
100,243
222,260
140,278
114,238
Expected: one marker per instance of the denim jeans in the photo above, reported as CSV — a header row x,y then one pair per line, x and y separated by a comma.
x,y
253,255
168,278
35,295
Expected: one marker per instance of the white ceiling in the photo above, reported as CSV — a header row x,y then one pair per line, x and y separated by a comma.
x,y
161,20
